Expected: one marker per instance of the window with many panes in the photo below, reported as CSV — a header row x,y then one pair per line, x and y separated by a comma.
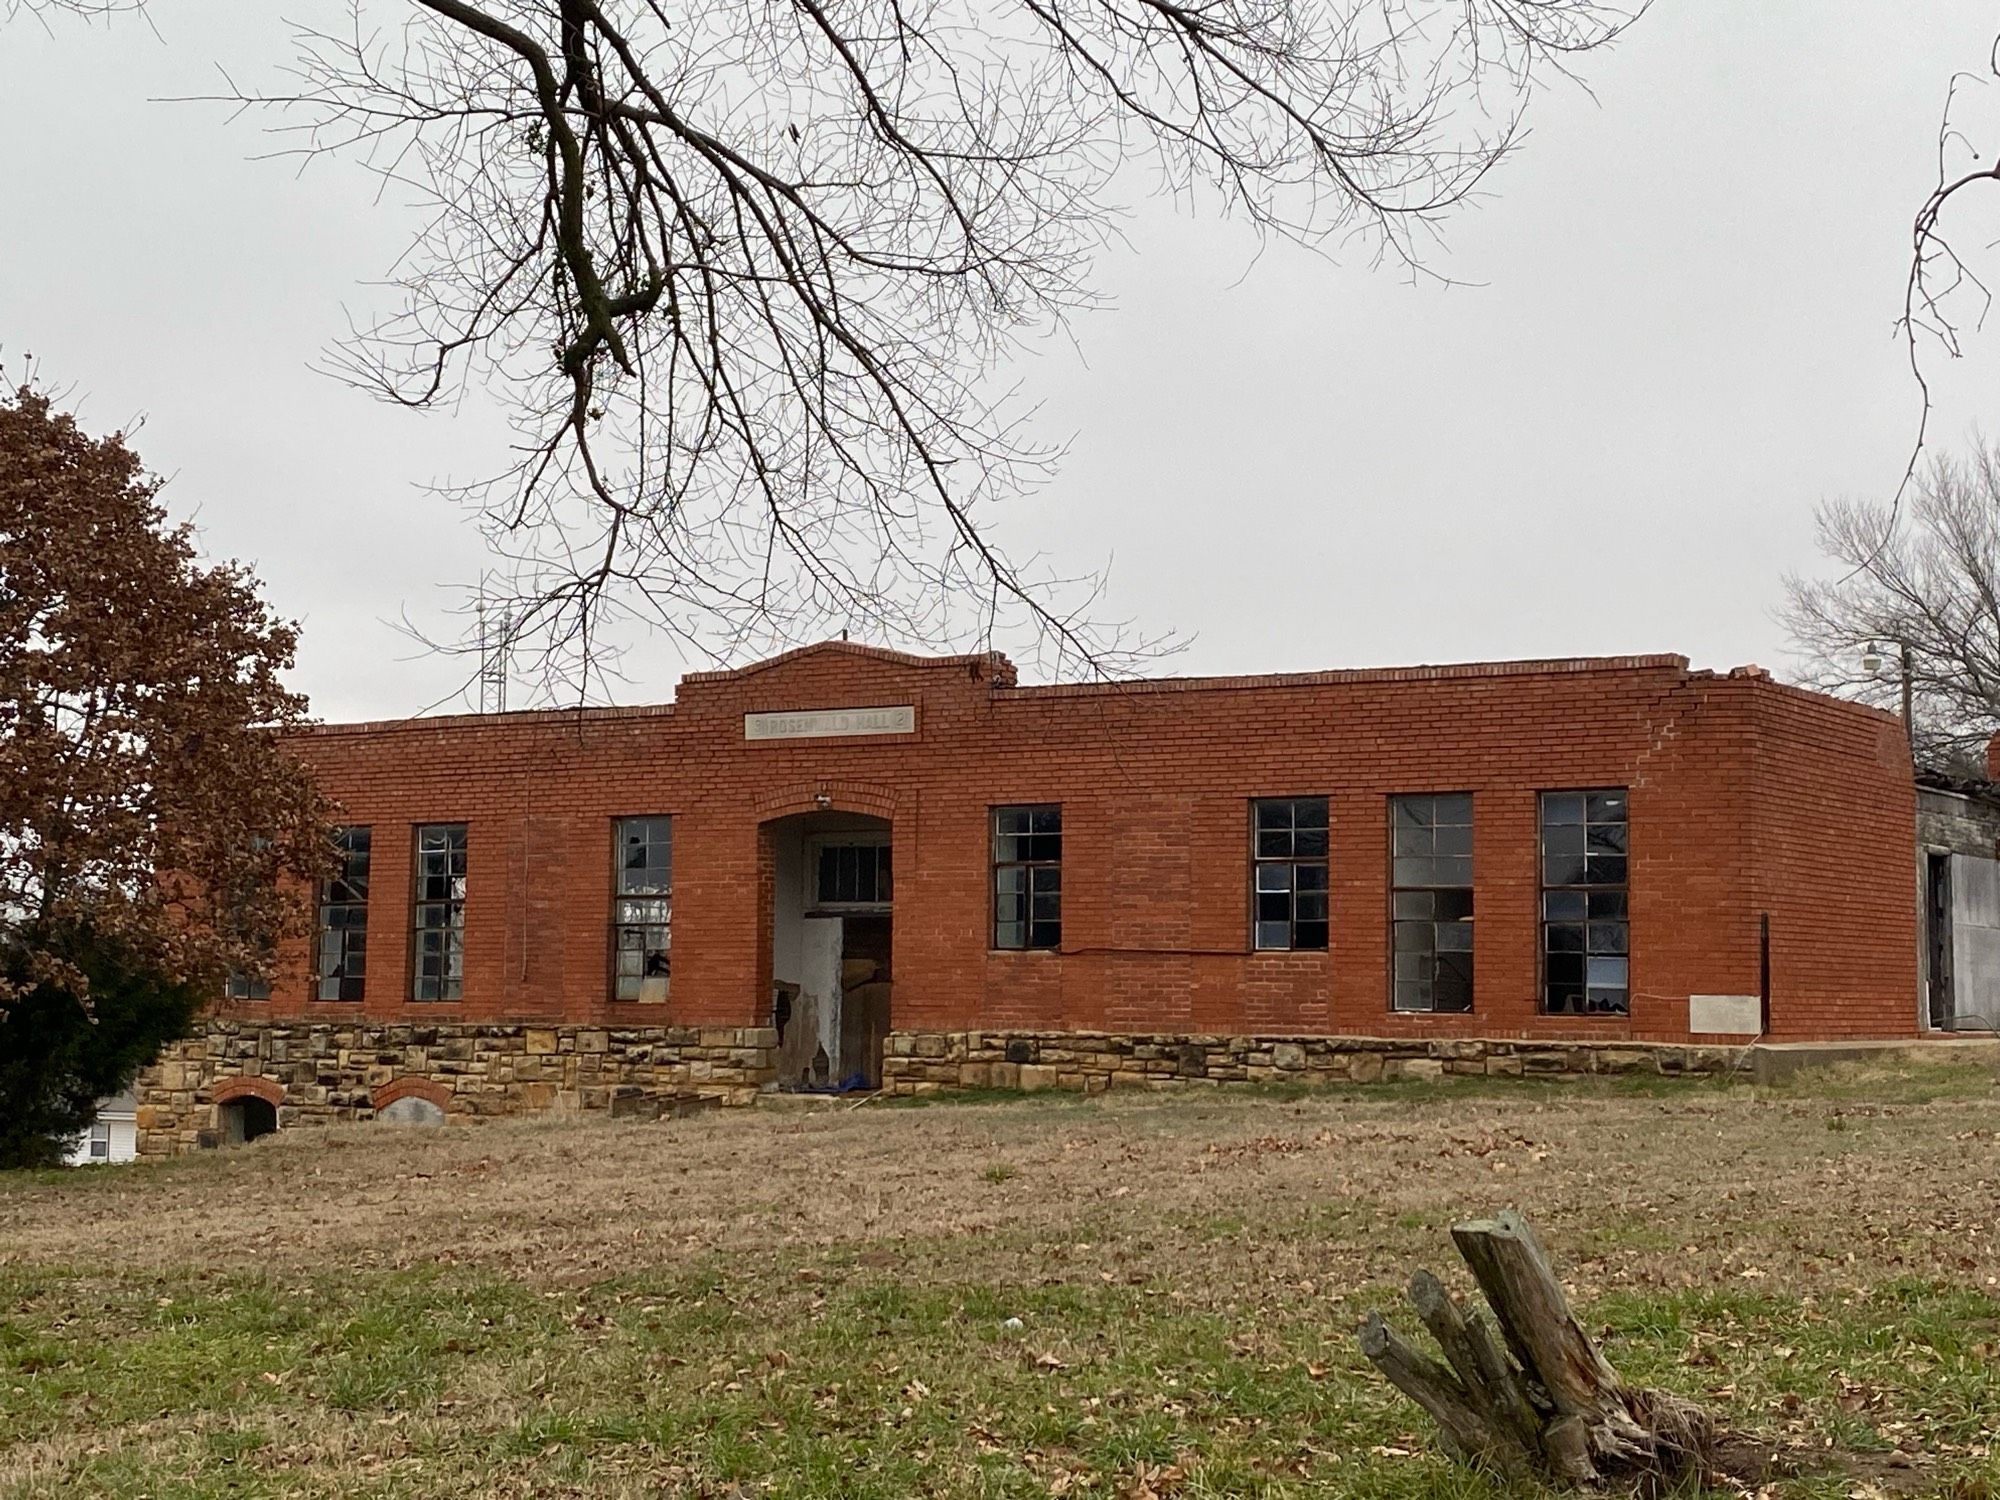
x,y
1027,877
1430,901
1586,931
343,919
643,908
438,909
241,985
1288,878
848,872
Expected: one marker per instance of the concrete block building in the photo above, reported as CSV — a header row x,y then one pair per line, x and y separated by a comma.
x,y
847,866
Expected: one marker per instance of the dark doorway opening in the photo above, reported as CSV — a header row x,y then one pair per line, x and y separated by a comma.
x,y
247,1118
1937,937
832,941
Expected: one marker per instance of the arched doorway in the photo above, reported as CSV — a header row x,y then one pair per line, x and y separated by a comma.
x,y
832,948
245,1118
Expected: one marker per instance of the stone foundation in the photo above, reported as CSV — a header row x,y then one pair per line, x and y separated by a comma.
x,y
317,1072
929,1062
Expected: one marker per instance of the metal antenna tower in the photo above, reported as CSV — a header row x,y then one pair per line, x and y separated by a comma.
x,y
495,639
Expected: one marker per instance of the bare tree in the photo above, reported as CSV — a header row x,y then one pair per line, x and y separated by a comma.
x,y
1944,292
743,273
1920,581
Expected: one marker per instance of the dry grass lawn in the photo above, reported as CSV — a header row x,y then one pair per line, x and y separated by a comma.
x,y
824,1302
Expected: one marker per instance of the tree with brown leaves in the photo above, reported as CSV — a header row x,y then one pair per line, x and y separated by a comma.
x,y
151,822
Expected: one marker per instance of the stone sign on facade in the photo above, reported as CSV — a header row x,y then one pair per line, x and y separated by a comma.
x,y
830,723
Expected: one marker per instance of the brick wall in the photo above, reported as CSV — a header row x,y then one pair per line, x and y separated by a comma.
x,y
1746,797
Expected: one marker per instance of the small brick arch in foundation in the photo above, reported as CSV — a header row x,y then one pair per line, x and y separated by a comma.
x,y
247,1086
429,1090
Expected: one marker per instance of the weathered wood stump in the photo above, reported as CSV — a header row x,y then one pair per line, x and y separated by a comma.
x,y
1547,1404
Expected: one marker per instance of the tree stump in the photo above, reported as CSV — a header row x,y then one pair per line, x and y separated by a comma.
x,y
1541,1401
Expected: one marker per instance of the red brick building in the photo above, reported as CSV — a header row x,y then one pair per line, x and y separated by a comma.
x,y
920,856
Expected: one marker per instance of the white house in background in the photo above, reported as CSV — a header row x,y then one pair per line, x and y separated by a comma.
x,y
113,1135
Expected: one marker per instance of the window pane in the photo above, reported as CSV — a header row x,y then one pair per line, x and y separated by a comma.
x,y
1452,838
1274,877
1452,869
1563,869
1454,808
1563,906
1411,905
1607,972
1605,807
1309,935
1274,934
1564,838
1562,807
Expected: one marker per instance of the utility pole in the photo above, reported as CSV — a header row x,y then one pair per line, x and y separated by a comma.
x,y
1871,663
1903,667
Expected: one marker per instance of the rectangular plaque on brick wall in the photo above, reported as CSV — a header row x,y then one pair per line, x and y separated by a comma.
x,y
1725,1015
829,723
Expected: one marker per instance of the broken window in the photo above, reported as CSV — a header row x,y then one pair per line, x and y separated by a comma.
x,y
1586,930
851,874
642,918
1288,875
1430,901
439,903
343,919
1027,877
244,986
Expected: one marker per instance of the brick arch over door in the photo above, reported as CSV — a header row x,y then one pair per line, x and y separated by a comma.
x,y
873,799
246,1085
410,1087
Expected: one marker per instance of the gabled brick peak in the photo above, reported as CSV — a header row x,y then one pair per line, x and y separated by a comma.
x,y
994,666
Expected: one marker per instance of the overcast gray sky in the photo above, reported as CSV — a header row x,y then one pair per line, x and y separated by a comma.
x,y
1680,340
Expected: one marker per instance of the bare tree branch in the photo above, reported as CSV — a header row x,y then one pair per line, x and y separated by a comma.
x,y
744,274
